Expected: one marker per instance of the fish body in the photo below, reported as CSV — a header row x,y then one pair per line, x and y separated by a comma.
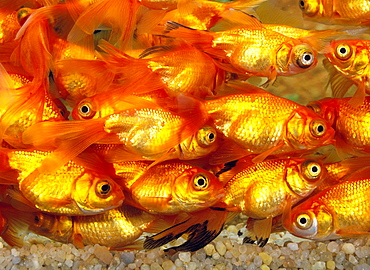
x,y
337,212
344,12
71,190
261,190
348,64
172,187
351,124
259,122
252,50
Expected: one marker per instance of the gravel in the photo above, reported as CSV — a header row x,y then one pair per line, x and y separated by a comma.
x,y
283,251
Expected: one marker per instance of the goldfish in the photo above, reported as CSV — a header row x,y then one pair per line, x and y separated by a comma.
x,y
171,187
251,50
203,15
118,15
336,212
350,123
260,123
142,131
347,63
14,119
199,227
73,189
345,12
178,67
261,191
117,228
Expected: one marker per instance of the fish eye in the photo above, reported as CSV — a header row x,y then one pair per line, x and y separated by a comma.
x,y
200,181
23,14
103,189
311,169
38,219
318,128
85,110
206,136
304,221
309,9
305,60
302,4
315,107
343,51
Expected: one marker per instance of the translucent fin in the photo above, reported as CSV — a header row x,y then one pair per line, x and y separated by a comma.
x,y
268,13
339,84
261,157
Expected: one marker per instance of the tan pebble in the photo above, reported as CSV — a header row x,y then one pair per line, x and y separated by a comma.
x,y
266,259
168,265
216,256
233,229
209,249
221,248
155,266
330,265
348,248
103,254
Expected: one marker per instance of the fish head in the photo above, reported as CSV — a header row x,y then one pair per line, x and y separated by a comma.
x,y
304,175
95,193
294,57
326,108
311,219
307,130
310,8
196,189
50,225
202,143
349,56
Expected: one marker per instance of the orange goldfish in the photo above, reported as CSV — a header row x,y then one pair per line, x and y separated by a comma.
x,y
149,131
119,15
347,63
351,124
18,113
251,50
261,123
178,67
261,190
336,212
73,189
172,187
354,12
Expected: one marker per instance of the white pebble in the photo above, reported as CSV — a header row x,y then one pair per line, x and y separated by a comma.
x,y
185,256
333,247
68,263
292,246
348,248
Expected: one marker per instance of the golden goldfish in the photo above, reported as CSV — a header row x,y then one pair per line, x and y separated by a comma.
x,y
348,63
116,228
261,123
261,191
145,131
354,12
337,212
351,124
172,187
203,15
73,189
251,50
